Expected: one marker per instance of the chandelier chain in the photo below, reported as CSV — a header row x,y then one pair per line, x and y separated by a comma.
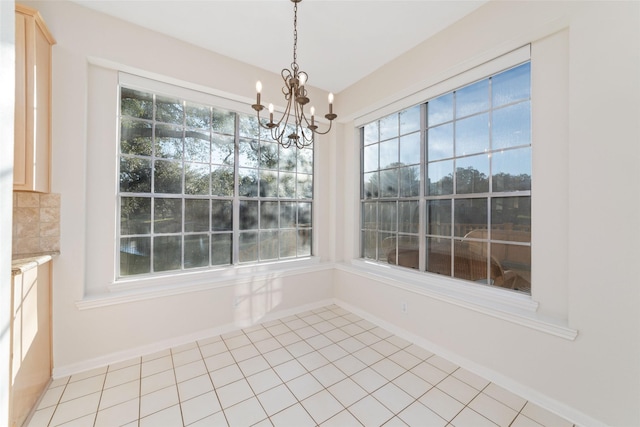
x,y
295,33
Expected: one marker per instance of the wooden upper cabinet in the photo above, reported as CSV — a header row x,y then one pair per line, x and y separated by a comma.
x,y
32,151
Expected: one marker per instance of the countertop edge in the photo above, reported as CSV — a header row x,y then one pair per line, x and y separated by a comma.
x,y
29,261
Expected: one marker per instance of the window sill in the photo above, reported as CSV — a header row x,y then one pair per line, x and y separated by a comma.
x,y
143,288
510,306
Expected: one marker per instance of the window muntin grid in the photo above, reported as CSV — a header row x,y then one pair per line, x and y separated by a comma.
x,y
470,216
187,174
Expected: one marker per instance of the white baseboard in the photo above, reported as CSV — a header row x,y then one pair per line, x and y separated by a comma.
x,y
120,356
577,417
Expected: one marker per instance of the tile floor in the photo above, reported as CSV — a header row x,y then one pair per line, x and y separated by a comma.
x,y
324,367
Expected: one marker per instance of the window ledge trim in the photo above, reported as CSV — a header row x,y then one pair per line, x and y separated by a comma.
x,y
509,306
139,289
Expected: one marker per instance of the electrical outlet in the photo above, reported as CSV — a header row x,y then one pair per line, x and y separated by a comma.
x,y
404,307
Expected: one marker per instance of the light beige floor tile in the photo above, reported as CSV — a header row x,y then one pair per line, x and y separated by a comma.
x,y
58,382
352,329
234,393
412,384
288,338
319,341
369,379
299,348
217,419
213,348
388,369
385,348
184,347
441,403
120,414
307,332
121,376
125,364
337,335
120,394
194,387
76,408
347,392
395,422
83,387
333,352
253,365
370,412
497,412
349,365
155,366
442,364
158,400
245,352
278,329
351,344
157,382
312,361
245,413
469,417
405,359
419,352
393,398
328,375
419,415
86,421
342,419
524,421
290,370
368,356
304,386
278,356
543,416
470,378
296,324
501,395
199,407
264,380
258,335
322,406
190,370
41,417
460,391
276,399
267,345
157,355
219,361
186,356
167,417
226,375
88,374
429,373
293,416
367,337
209,340
51,397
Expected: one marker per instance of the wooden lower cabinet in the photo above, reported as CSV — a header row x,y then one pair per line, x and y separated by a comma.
x,y
30,340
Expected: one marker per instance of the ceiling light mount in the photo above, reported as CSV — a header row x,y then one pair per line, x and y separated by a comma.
x,y
294,121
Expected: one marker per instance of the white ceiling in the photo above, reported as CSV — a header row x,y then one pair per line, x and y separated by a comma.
x,y
339,41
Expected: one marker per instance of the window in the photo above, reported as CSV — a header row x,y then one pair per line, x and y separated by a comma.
x,y
202,187
446,185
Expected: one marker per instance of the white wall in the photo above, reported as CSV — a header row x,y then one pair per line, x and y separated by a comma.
x,y
7,88
586,205
585,98
92,324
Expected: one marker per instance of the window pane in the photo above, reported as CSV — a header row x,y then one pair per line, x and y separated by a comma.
x,y
440,142
222,180
369,242
135,137
169,110
438,256
196,178
389,127
371,158
371,133
135,215
167,253
439,217
268,184
248,247
511,126
198,116
169,141
287,160
269,155
221,249
409,181
511,85
440,110
408,252
136,104
387,244
224,121
408,217
268,215
410,120
269,248
167,215
196,250
305,186
248,215
511,219
410,149
440,178
370,215
196,215
304,215
371,185
470,214
288,243
196,146
472,174
516,263
389,153
287,185
305,161
472,99
135,255
472,135
248,186
249,153
221,215
288,214
222,150
135,175
470,265
512,170
304,242
388,216
389,183
167,177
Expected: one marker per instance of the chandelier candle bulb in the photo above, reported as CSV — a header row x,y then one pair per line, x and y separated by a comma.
x,y
330,103
270,113
258,90
313,112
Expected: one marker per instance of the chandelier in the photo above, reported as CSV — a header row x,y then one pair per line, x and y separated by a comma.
x,y
293,128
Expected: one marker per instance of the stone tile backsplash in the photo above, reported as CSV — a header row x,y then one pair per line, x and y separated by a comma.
x,y
36,223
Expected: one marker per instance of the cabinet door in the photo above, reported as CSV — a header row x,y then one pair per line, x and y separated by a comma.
x,y
20,147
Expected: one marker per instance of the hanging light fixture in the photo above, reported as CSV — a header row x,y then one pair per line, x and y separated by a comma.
x,y
295,95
